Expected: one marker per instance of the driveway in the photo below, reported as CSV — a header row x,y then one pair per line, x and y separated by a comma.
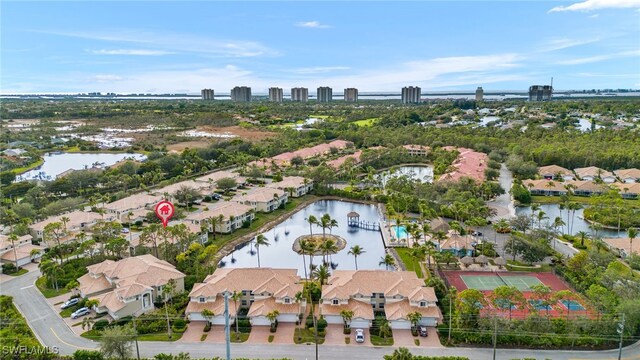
x,y
194,331
334,335
431,341
260,335
403,337
216,335
284,334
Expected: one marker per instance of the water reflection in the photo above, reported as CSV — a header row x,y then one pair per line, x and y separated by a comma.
x,y
578,222
280,255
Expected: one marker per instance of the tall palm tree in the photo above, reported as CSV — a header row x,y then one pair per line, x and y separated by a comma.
x,y
387,261
632,233
312,220
235,297
13,238
322,274
261,240
582,235
356,251
557,222
309,248
534,208
429,252
303,246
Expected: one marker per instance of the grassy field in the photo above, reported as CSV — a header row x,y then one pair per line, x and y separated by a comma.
x,y
19,272
24,169
409,262
41,284
366,122
379,341
159,337
305,336
580,199
239,337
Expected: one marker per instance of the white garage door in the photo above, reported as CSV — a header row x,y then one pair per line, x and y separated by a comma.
x,y
196,317
260,320
219,320
400,324
359,324
334,319
428,321
288,318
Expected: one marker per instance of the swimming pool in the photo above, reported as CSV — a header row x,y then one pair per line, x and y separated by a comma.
x,y
400,232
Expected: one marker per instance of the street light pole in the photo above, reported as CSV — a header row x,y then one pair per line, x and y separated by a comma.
x,y
621,332
450,314
495,336
135,330
227,336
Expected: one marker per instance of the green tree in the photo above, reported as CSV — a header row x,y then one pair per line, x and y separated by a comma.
x,y
226,184
388,261
116,342
507,297
356,251
186,195
468,305
321,273
261,240
400,354
347,315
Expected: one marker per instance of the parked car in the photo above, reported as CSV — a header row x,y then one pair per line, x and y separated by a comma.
x,y
216,196
359,335
423,331
69,303
80,312
476,233
124,231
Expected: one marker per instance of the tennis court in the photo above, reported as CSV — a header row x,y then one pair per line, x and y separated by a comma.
x,y
493,280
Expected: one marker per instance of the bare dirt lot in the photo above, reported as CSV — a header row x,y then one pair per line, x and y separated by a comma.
x,y
250,134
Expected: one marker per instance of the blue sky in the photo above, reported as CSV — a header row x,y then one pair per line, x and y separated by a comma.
x,y
160,47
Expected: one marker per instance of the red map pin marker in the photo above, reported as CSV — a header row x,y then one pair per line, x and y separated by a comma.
x,y
164,211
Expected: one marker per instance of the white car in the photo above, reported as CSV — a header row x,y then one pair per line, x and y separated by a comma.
x,y
69,303
359,335
80,312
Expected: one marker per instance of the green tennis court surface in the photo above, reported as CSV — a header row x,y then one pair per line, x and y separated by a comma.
x,y
492,281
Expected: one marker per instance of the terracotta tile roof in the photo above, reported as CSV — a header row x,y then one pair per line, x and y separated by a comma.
x,y
23,251
587,186
416,147
143,269
553,170
592,171
289,181
341,160
361,310
544,185
631,188
5,243
135,201
278,282
344,284
199,186
261,195
224,208
317,150
217,307
264,306
469,163
456,242
215,176
628,173
623,244
89,285
397,310
110,301
76,218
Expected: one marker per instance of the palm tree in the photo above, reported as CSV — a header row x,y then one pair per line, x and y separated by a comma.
x,y
87,323
414,318
309,248
429,252
273,317
326,222
312,220
328,247
235,297
582,235
208,314
322,274
385,329
261,240
303,246
534,207
401,354
356,251
632,233
214,221
347,315
167,293
387,261
557,222
51,268
13,238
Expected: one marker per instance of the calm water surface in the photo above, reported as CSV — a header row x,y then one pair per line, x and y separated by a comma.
x,y
55,164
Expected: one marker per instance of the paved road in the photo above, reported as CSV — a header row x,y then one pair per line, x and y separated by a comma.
x,y
52,331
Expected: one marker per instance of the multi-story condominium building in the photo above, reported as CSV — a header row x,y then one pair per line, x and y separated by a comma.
x,y
78,221
540,92
351,95
325,94
275,94
397,293
20,252
207,94
241,94
133,202
479,94
262,290
229,215
411,94
295,186
263,199
417,150
300,94
129,286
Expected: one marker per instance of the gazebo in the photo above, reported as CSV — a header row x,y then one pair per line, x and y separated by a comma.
x,y
500,261
467,260
353,218
482,260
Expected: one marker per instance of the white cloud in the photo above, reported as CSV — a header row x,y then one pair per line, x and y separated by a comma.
x,y
319,69
106,78
590,5
134,52
312,24
594,16
598,58
564,43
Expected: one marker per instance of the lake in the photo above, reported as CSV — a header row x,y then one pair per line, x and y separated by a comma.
x,y
423,173
280,255
553,210
55,164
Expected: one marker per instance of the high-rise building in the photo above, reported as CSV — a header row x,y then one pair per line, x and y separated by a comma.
x,y
411,94
241,94
351,95
540,92
325,94
300,94
479,94
207,94
275,94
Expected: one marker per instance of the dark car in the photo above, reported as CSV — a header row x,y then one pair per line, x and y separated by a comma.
x,y
423,331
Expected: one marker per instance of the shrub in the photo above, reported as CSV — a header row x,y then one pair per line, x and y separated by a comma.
x,y
179,326
322,324
244,325
100,324
346,330
87,355
123,321
207,327
9,269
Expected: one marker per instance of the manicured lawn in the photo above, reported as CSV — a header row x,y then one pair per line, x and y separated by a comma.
x,y
41,284
24,169
238,337
19,272
67,312
305,336
579,199
409,262
520,266
159,337
366,122
378,341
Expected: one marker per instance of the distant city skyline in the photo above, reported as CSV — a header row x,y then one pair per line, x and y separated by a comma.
x,y
184,47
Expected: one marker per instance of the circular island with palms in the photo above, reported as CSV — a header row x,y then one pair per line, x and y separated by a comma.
x,y
319,244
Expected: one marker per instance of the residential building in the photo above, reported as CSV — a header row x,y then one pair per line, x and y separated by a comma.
x,y
262,290
351,95
628,175
324,94
199,186
131,203
397,293
591,173
129,286
417,150
230,215
337,163
470,163
295,186
587,188
411,94
628,190
624,245
479,94
22,254
241,94
275,94
263,199
540,92
307,153
552,172
213,177
300,94
545,187
14,152
207,94
78,221
460,246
